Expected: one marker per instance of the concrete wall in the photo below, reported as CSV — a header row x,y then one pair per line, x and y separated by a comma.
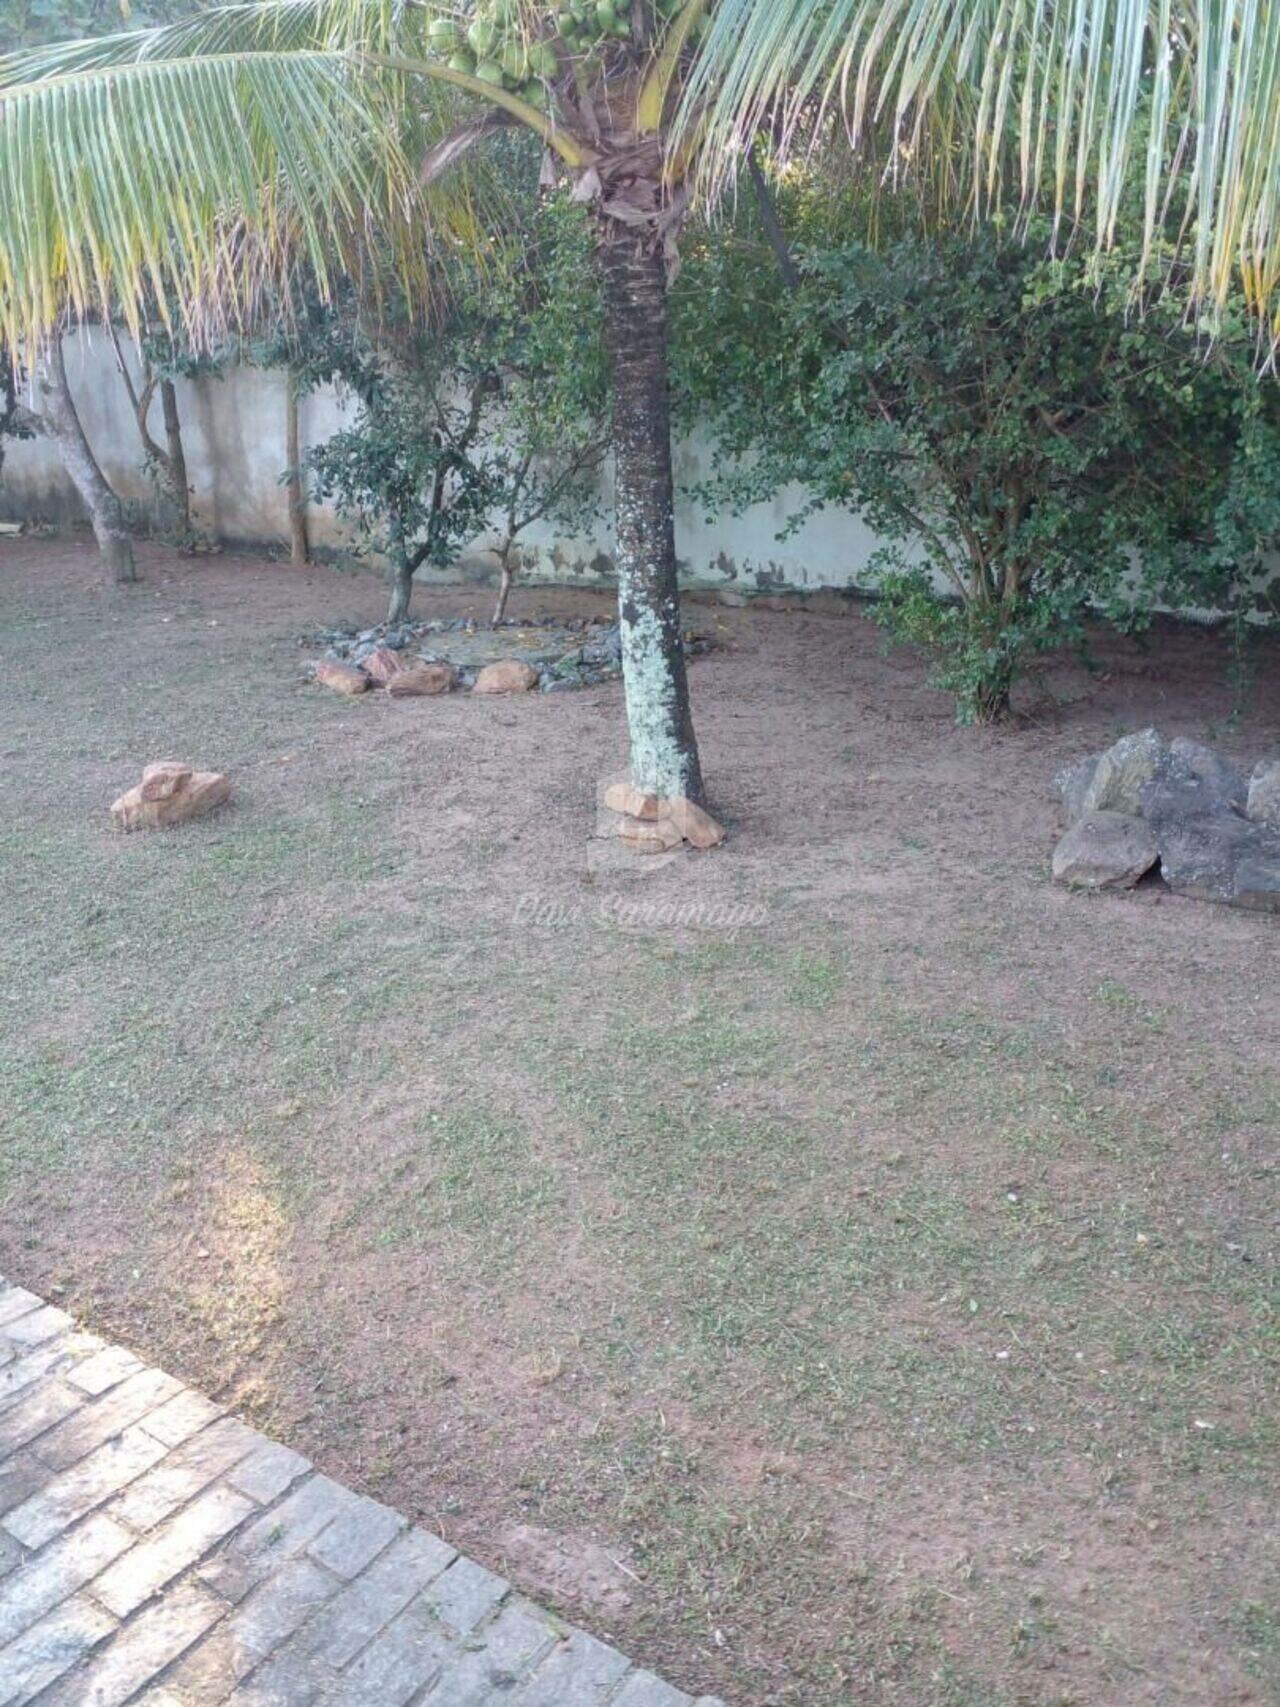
x,y
233,431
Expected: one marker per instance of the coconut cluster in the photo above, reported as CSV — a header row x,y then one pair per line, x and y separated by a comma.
x,y
492,44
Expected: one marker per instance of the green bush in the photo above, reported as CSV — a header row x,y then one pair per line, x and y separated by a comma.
x,y
1030,451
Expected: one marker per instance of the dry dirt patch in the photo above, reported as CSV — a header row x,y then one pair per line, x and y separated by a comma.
x,y
835,1267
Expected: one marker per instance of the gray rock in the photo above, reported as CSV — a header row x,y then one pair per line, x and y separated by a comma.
x,y
604,647
1104,850
1122,770
1207,849
1212,769
1072,784
1264,793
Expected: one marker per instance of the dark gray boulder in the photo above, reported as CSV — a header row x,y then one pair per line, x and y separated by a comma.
x,y
1264,793
1104,850
1212,769
1207,848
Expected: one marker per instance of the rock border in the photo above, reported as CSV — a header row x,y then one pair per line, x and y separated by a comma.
x,y
1181,805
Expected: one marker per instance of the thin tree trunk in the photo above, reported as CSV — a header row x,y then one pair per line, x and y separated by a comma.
x,y
664,750
401,591
176,452
299,548
504,586
771,224
992,697
64,428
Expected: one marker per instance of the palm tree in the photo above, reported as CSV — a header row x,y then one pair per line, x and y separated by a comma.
x,y
201,157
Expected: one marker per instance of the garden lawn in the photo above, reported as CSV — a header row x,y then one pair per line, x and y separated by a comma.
x,y
836,1268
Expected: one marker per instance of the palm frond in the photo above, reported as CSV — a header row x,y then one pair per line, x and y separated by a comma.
x,y
1117,115
203,162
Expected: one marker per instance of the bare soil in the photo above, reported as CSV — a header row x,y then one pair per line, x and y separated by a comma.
x,y
838,1268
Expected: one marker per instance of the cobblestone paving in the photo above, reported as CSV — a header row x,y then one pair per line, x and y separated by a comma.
x,y
155,1550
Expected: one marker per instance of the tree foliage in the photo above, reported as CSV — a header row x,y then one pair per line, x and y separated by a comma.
x,y
491,416
1029,451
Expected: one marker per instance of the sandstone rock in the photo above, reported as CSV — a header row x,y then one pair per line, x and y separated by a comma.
x,y
1264,793
508,675
159,781
342,678
196,793
690,821
1122,771
421,680
697,827
1212,769
625,797
1104,850
1072,784
382,665
650,835
1206,848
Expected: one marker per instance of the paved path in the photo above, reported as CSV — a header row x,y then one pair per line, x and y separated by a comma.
x,y
154,1549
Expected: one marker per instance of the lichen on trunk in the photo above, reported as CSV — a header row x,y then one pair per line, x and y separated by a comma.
x,y
664,750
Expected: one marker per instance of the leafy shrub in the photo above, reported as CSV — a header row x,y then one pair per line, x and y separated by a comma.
x,y
1029,451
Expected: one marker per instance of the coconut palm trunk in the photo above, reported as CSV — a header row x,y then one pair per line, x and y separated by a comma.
x,y
62,423
664,751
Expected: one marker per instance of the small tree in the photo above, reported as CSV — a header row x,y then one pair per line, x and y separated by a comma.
x,y
494,417
59,417
407,470
1028,451
535,324
163,357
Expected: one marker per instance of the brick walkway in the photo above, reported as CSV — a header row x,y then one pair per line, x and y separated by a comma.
x,y
154,1549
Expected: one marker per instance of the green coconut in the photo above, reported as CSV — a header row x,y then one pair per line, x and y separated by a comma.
x,y
514,61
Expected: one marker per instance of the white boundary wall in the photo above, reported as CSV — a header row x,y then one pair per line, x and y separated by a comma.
x,y
233,434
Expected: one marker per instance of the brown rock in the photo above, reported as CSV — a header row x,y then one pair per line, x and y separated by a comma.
x,y
697,827
342,678
423,679
649,835
383,665
625,797
508,675
161,780
199,792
